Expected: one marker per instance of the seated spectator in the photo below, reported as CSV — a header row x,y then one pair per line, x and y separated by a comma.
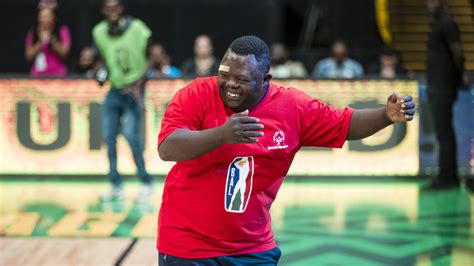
x,y
160,63
339,65
389,66
203,63
88,63
282,67
47,44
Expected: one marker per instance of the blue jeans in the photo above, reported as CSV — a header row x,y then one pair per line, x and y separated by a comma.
x,y
120,105
266,258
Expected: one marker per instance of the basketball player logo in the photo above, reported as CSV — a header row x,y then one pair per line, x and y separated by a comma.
x,y
239,184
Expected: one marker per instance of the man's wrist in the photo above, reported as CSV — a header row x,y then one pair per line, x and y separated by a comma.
x,y
219,135
387,117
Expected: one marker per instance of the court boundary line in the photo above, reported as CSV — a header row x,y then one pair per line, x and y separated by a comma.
x,y
126,252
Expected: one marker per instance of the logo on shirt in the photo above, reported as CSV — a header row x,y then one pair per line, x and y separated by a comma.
x,y
279,141
239,184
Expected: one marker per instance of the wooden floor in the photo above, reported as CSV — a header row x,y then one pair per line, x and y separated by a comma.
x,y
316,222
77,251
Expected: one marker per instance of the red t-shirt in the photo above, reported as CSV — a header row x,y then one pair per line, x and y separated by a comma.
x,y
218,204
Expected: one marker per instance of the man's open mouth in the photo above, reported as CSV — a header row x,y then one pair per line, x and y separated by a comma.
x,y
232,95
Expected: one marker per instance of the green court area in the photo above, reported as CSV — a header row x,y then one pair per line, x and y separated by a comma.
x,y
316,221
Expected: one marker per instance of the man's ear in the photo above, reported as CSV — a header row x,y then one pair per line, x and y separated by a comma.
x,y
267,78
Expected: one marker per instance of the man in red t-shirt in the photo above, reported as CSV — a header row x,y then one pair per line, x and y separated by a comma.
x,y
234,137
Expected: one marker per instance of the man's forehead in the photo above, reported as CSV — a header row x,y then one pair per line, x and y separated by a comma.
x,y
233,60
230,55
224,68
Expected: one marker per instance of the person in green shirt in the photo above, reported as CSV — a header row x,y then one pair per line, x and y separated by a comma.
x,y
122,43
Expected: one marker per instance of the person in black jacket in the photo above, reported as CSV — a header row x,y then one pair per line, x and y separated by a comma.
x,y
444,74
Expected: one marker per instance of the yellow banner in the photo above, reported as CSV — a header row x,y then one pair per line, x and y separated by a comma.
x,y
54,127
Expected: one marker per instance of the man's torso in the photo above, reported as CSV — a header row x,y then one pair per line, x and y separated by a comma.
x,y
125,54
441,71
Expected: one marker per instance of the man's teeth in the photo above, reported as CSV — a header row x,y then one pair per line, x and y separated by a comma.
x,y
233,94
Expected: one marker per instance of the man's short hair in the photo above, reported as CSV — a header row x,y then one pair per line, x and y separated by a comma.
x,y
250,44
105,2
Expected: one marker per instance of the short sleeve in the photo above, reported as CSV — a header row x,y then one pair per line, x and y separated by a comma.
x,y
324,125
65,35
183,112
450,31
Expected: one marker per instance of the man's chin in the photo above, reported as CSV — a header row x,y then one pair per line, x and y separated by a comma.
x,y
236,108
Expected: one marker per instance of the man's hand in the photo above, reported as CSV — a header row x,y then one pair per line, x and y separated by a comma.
x,y
400,109
465,81
185,144
135,89
241,128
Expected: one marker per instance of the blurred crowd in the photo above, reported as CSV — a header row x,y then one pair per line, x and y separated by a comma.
x,y
48,45
123,54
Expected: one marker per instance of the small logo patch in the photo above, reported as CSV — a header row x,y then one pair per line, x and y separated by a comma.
x,y
279,141
239,184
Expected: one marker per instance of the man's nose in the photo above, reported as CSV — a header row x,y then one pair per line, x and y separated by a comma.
x,y
232,83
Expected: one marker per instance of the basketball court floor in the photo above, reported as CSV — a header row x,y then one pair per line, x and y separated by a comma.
x,y
316,222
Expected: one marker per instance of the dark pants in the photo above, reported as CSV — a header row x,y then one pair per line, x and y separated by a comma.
x,y
442,111
266,258
121,106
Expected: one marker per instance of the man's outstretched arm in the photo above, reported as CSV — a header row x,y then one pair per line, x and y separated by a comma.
x,y
185,144
367,122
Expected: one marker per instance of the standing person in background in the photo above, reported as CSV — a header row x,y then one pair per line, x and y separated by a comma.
x,y
47,44
160,63
282,67
339,65
444,74
203,63
122,43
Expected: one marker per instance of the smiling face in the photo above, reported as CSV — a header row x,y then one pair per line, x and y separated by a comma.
x,y
242,83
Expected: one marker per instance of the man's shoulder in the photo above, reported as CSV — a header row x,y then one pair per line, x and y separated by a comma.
x,y
353,62
138,24
447,22
286,93
208,81
199,89
202,84
100,28
446,18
